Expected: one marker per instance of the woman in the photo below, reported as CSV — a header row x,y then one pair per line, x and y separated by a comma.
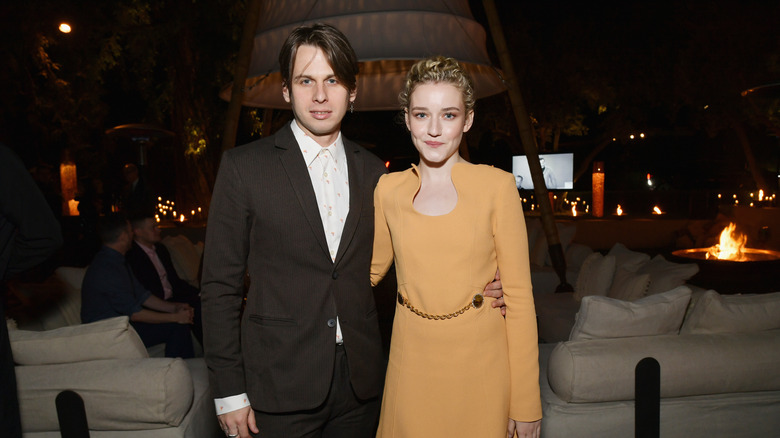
x,y
456,368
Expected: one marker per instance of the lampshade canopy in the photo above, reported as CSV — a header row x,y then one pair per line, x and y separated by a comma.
x,y
388,37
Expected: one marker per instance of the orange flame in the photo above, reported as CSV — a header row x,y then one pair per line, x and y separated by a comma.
x,y
619,210
730,246
657,210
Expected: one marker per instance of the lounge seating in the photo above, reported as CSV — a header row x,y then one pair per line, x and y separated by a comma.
x,y
719,374
126,392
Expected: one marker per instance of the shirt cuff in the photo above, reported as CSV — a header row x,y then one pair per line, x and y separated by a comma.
x,y
230,404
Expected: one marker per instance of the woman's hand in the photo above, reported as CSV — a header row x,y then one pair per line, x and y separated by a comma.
x,y
523,429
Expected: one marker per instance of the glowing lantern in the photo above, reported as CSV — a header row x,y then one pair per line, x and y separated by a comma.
x,y
598,189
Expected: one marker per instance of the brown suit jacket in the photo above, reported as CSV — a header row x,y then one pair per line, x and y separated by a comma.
x,y
264,221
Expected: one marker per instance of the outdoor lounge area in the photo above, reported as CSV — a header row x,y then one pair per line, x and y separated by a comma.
x,y
298,211
717,352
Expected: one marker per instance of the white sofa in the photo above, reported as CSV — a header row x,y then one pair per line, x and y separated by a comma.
x,y
718,358
126,392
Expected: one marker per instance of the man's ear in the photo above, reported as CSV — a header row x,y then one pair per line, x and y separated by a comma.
x,y
353,94
286,93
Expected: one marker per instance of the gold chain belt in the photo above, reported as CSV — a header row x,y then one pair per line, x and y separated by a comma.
x,y
476,303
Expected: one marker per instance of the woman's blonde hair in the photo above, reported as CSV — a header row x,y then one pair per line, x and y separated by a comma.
x,y
438,69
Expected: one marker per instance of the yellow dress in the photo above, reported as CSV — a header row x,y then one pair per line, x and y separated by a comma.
x,y
464,376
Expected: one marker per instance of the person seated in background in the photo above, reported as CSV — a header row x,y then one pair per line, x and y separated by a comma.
x,y
110,289
152,265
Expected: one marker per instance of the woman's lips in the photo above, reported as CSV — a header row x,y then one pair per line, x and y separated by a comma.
x,y
434,144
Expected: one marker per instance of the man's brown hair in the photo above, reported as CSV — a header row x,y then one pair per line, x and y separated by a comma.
x,y
332,42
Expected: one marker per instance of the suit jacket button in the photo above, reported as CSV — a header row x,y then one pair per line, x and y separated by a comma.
x,y
335,275
331,323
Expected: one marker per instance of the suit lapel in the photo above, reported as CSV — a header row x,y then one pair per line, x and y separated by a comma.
x,y
356,176
292,161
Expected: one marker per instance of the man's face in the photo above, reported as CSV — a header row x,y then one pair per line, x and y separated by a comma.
x,y
319,100
147,232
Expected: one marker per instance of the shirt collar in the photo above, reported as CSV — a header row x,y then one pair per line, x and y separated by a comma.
x,y
310,148
147,249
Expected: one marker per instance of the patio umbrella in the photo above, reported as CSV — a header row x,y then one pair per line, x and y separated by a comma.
x,y
388,37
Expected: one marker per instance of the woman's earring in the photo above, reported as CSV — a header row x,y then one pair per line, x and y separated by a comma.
x,y
351,107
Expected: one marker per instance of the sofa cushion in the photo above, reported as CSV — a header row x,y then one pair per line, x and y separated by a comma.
x,y
666,275
576,254
540,254
185,257
716,313
595,276
112,338
601,370
628,285
626,258
604,317
118,394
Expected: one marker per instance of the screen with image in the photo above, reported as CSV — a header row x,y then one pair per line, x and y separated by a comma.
x,y
558,171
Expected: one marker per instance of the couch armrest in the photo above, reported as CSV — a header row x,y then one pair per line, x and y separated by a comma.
x,y
602,370
119,394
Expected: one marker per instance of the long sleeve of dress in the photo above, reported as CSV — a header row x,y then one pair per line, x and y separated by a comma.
x,y
512,254
383,245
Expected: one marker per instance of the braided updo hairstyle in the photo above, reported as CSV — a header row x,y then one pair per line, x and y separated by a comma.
x,y
438,69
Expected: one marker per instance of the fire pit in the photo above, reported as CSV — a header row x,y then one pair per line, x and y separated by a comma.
x,y
729,267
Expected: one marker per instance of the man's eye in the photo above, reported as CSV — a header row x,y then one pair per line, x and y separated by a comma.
x,y
305,81
333,81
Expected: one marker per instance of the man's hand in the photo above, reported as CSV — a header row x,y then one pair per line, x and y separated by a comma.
x,y
238,423
183,316
494,290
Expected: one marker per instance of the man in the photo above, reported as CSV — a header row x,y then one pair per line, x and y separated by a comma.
x,y
29,234
110,289
295,211
136,195
152,265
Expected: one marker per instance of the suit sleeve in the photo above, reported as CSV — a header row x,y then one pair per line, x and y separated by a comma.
x,y
383,245
29,232
511,241
222,290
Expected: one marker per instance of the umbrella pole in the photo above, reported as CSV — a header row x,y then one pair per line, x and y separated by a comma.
x,y
529,146
242,70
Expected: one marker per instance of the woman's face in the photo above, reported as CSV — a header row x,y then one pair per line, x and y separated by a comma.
x,y
437,119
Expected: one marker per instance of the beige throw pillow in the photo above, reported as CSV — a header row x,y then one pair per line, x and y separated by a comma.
x,y
666,275
595,276
716,313
540,254
112,338
604,317
628,285
626,258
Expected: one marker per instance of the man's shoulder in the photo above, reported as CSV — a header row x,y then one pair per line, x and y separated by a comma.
x,y
371,161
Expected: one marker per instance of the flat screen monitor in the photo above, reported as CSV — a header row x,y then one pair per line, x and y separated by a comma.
x,y
558,171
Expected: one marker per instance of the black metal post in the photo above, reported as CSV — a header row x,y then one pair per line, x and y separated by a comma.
x,y
647,404
71,415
